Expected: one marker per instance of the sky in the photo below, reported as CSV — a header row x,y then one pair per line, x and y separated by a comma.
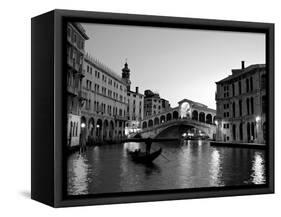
x,y
176,63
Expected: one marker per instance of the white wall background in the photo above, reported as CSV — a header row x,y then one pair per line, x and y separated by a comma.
x,y
15,106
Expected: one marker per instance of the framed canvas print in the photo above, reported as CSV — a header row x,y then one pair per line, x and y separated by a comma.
x,y
131,108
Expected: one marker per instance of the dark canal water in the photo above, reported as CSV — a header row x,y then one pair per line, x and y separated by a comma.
x,y
193,164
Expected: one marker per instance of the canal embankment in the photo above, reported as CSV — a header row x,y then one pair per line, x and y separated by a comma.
x,y
237,145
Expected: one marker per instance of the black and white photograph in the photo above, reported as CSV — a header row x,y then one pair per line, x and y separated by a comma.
x,y
157,108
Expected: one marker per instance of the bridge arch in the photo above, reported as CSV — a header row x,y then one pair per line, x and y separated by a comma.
x,y
156,121
169,117
195,115
202,117
175,114
209,119
204,130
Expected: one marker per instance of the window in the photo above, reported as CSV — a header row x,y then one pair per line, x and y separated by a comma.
x,y
251,84
263,81
233,109
247,85
239,86
252,105
234,132
263,104
240,108
233,89
248,106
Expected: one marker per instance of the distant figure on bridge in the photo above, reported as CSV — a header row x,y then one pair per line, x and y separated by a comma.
x,y
148,143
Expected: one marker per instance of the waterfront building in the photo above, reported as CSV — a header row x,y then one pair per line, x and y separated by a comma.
x,y
104,112
76,37
154,104
241,105
135,104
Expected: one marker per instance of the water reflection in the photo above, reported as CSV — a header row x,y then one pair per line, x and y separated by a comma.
x,y
190,164
258,169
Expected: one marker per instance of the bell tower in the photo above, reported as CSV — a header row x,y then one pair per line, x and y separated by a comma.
x,y
126,75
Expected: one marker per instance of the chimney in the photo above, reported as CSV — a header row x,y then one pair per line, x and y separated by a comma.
x,y
137,89
243,64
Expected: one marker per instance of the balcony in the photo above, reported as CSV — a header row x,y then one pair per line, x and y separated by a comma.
x,y
72,89
119,117
83,95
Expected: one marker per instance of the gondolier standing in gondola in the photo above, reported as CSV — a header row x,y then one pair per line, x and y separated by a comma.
x,y
148,143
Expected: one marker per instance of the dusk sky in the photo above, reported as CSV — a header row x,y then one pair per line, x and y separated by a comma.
x,y
176,63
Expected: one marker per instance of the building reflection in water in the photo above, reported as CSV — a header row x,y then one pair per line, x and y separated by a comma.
x,y
78,181
215,169
189,164
258,169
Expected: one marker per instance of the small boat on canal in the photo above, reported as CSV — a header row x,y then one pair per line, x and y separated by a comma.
x,y
142,157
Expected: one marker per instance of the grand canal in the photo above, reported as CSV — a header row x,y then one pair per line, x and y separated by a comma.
x,y
191,164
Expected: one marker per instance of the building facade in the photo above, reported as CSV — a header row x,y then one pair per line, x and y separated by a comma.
x,y
104,112
76,37
135,104
154,104
241,105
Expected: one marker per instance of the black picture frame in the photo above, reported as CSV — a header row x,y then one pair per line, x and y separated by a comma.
x,y
48,106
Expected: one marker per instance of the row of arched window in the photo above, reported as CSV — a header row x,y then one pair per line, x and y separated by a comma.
x,y
209,119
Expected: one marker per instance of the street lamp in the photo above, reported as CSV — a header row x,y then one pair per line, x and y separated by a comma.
x,y
83,125
216,122
258,118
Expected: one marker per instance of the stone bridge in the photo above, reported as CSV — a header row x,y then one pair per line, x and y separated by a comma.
x,y
188,113
154,131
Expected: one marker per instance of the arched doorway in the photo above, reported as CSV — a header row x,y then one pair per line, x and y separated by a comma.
x,y
150,123
144,125
195,115
202,117
168,117
241,131
83,125
156,121
99,129
91,127
162,119
209,119
175,115
111,130
248,132
105,130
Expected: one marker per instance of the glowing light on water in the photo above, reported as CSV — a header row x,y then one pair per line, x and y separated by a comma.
x,y
258,169
215,169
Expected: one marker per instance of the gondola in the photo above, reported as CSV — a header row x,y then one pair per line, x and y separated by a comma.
x,y
142,157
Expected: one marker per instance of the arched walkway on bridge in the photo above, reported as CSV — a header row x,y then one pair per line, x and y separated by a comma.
x,y
144,125
202,117
195,115
156,121
169,117
175,115
162,119
209,119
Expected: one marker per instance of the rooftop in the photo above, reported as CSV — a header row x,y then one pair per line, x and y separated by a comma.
x,y
238,72
101,66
